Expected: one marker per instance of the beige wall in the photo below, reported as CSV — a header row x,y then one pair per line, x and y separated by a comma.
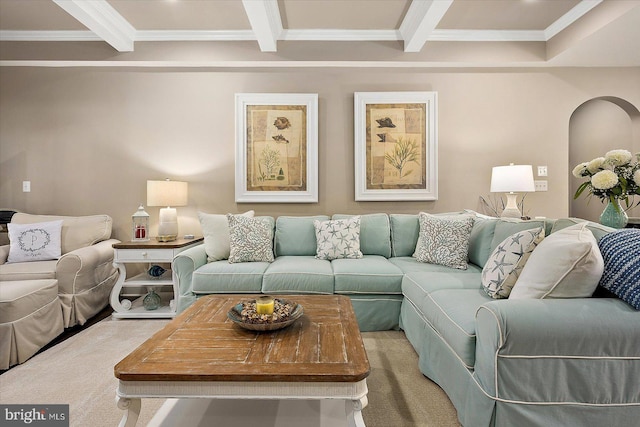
x,y
89,138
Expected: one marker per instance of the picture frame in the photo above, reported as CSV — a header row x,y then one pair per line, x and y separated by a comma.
x,y
276,148
396,146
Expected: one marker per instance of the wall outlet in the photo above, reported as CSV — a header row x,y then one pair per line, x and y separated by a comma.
x,y
26,186
542,171
541,185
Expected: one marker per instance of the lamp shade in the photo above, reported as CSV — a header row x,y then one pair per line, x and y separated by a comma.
x,y
167,193
512,178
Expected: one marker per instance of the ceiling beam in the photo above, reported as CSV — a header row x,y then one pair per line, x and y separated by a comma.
x,y
264,17
101,18
421,19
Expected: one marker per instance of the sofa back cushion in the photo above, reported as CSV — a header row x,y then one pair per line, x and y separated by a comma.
x,y
480,240
375,233
405,230
598,230
506,227
296,235
77,231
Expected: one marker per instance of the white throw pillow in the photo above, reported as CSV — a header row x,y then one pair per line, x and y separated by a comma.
x,y
34,242
508,259
215,229
338,238
567,264
444,240
251,239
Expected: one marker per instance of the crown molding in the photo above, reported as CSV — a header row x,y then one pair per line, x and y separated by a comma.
x,y
487,36
194,35
340,35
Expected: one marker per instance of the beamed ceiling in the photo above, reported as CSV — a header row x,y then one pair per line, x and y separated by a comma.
x,y
322,32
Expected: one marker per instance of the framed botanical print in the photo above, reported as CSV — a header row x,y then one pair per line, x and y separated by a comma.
x,y
276,148
396,146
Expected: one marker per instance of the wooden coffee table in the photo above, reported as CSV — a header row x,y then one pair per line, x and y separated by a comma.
x,y
202,354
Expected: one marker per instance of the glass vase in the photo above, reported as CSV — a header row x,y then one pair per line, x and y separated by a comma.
x,y
613,215
151,301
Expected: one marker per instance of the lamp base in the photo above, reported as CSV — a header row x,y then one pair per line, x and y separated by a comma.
x,y
168,225
511,210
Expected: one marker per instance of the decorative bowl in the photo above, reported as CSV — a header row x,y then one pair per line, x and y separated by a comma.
x,y
236,317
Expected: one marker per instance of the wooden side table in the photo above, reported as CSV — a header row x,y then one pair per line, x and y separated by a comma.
x,y
147,252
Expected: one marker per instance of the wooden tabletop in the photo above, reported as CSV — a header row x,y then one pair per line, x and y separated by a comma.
x,y
202,344
154,244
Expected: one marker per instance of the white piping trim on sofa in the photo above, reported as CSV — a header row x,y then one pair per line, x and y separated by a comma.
x,y
34,312
448,317
499,399
437,333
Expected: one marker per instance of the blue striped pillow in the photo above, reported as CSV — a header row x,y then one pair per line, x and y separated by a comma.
x,y
621,253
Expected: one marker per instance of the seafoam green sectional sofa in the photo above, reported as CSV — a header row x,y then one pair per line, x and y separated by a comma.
x,y
525,361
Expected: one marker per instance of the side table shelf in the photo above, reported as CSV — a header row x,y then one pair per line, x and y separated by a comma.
x,y
151,252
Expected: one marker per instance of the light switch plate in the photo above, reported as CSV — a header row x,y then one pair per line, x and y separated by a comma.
x,y
541,185
26,186
542,171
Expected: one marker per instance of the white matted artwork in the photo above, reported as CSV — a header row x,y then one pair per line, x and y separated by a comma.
x,y
276,148
396,146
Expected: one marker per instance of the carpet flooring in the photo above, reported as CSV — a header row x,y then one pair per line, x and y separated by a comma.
x,y
79,371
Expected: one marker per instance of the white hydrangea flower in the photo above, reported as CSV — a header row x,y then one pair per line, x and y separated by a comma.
x,y
636,177
604,180
596,164
580,170
618,157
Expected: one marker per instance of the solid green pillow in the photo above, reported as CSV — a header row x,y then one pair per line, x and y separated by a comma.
x,y
296,235
375,233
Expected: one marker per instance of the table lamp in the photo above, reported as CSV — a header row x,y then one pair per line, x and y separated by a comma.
x,y
167,193
512,179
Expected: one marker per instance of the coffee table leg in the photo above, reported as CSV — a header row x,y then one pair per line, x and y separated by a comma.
x,y
354,411
132,406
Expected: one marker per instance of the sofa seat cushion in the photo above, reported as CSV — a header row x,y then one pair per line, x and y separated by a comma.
x,y
451,314
34,270
417,285
225,277
372,274
19,299
298,275
409,264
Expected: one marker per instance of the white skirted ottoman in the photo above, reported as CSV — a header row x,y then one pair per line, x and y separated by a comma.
x,y
30,317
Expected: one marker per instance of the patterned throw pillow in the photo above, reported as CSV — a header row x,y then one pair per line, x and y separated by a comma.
x,y
215,229
621,253
34,242
338,238
507,261
444,240
250,239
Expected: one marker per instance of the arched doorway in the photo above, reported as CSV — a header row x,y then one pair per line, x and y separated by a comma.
x,y
595,127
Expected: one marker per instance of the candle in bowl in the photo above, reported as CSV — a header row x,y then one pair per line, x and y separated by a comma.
x,y
264,305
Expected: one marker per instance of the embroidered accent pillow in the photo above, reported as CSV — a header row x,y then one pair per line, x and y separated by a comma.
x,y
215,229
338,238
621,253
34,242
444,240
507,261
250,239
